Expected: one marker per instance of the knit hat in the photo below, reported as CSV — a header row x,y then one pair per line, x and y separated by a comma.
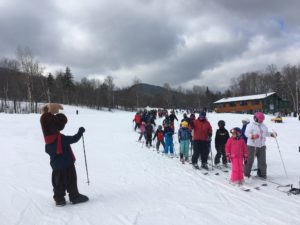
x,y
202,115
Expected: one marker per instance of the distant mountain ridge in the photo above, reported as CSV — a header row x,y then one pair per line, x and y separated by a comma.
x,y
147,89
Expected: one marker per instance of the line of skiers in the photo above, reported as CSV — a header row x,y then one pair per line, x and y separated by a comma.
x,y
240,149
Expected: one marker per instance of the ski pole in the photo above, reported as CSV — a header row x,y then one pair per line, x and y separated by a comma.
x,y
86,168
211,155
280,154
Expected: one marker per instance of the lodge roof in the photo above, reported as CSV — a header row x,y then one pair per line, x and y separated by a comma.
x,y
244,98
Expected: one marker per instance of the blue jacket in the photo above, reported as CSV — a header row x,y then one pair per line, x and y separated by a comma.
x,y
168,133
66,159
184,134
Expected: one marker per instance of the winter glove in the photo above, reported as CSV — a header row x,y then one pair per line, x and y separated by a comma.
x,y
51,108
81,130
245,160
255,136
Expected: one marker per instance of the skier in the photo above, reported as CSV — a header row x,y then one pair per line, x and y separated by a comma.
x,y
62,159
168,135
221,138
148,134
137,120
237,153
245,122
202,136
160,137
257,133
184,136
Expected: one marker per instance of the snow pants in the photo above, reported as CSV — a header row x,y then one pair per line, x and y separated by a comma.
x,y
137,125
65,180
260,153
237,171
169,145
184,148
141,136
158,144
201,148
220,152
148,139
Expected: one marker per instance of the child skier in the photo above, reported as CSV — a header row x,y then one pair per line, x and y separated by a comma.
x,y
184,137
237,153
62,159
148,134
137,120
142,131
221,138
168,135
160,137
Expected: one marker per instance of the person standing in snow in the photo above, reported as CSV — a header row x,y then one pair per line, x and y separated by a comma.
x,y
184,137
245,122
256,133
221,138
62,159
148,134
159,134
202,137
168,135
237,153
137,120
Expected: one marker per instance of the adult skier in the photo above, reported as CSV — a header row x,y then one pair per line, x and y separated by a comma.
x,y
202,136
257,132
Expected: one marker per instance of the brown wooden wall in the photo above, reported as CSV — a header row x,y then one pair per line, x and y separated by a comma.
x,y
225,107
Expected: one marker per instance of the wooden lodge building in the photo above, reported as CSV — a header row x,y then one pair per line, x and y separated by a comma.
x,y
267,103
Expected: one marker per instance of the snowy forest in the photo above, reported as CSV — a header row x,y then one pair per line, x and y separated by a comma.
x,y
22,79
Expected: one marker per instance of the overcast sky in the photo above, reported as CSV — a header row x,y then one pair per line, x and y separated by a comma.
x,y
180,42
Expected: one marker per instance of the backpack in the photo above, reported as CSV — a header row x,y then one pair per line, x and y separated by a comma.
x,y
160,136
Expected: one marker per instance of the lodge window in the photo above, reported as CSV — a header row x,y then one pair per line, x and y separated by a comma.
x,y
232,104
255,102
243,103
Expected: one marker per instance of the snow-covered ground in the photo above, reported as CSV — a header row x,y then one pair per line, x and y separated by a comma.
x,y
131,184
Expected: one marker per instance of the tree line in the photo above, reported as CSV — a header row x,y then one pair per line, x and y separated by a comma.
x,y
23,86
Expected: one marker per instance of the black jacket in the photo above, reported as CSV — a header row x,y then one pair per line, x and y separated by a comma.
x,y
222,136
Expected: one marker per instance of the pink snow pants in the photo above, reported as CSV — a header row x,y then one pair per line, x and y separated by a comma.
x,y
237,172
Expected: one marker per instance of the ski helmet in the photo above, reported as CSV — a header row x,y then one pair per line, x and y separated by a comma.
x,y
221,123
237,131
184,124
259,117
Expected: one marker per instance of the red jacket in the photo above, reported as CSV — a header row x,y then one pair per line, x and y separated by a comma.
x,y
137,118
202,130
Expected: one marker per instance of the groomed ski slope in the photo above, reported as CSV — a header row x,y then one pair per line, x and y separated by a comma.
x,y
131,185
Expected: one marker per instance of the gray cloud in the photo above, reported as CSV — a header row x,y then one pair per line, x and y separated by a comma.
x,y
177,42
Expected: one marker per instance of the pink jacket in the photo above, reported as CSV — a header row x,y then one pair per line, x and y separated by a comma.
x,y
142,128
236,148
